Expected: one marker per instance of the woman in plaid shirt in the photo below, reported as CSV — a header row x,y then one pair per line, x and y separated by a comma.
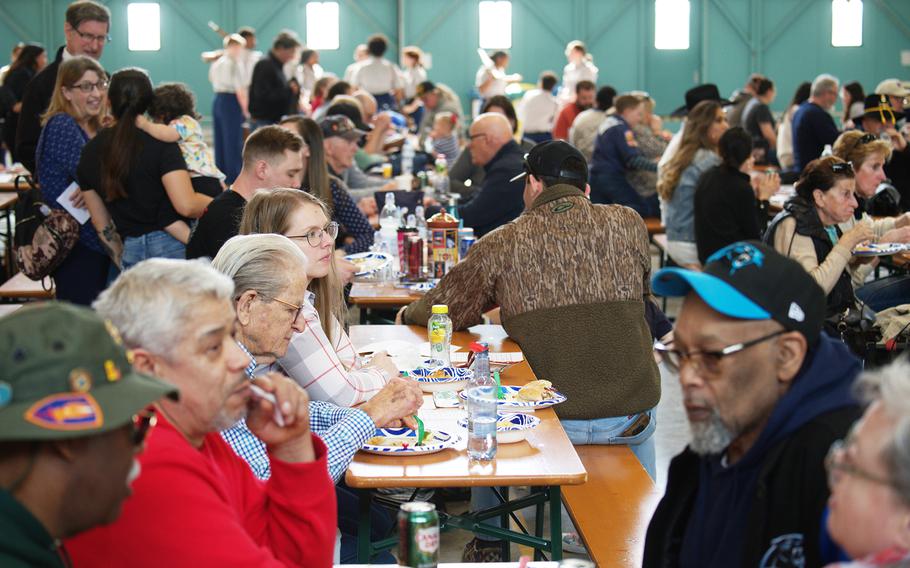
x,y
321,358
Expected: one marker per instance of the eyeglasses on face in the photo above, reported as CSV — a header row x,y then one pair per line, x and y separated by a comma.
x,y
87,87
298,309
838,462
706,361
472,137
141,424
314,237
102,39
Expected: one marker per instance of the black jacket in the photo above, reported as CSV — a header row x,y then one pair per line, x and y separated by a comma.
x,y
498,200
271,96
35,101
726,211
780,483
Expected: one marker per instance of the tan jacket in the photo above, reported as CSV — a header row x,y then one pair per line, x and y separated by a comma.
x,y
570,278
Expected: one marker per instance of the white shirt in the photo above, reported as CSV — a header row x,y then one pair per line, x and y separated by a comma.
x,y
411,78
226,75
497,87
376,76
307,75
247,61
584,130
349,71
572,74
537,110
672,147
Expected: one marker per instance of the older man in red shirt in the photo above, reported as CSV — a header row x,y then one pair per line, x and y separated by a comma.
x,y
584,99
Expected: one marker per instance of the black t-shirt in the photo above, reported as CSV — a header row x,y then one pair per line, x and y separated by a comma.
x,y
141,211
726,211
755,114
219,222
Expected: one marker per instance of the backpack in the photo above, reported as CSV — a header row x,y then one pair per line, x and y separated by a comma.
x,y
43,236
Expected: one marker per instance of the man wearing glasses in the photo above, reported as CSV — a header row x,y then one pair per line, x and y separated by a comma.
x,y
73,417
87,29
765,393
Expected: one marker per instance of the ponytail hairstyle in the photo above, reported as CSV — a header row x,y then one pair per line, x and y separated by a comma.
x,y
130,94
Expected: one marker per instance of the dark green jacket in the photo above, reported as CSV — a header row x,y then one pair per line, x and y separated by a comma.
x,y
24,542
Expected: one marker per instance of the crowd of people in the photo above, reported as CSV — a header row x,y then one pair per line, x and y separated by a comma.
x,y
209,275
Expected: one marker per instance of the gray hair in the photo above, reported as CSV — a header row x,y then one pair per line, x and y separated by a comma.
x,y
151,303
824,83
891,385
264,263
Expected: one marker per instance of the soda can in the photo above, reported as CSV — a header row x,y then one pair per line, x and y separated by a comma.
x,y
387,170
415,257
418,535
464,244
404,233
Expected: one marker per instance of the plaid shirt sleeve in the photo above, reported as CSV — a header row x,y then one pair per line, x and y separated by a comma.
x,y
344,431
246,445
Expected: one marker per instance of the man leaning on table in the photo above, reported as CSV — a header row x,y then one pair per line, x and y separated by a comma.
x,y
766,393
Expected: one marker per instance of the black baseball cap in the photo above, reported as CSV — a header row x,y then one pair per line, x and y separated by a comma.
x,y
549,159
751,281
342,126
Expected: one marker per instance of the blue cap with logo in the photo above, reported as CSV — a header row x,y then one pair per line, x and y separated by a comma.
x,y
752,281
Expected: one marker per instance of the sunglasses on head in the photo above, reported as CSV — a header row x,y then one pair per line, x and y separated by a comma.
x,y
842,167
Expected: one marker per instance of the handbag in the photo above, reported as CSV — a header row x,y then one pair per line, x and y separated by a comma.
x,y
43,236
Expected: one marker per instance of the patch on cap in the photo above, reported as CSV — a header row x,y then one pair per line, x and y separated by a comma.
x,y
796,313
115,333
6,393
66,412
112,371
739,256
80,380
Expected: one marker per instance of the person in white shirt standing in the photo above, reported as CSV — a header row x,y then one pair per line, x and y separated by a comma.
x,y
580,68
378,76
230,105
537,109
492,80
360,53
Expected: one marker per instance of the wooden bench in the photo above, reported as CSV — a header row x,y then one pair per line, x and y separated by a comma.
x,y
654,226
21,287
612,509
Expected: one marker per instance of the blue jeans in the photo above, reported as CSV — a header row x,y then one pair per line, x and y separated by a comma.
x,y
606,188
382,522
600,431
82,276
885,292
228,119
156,244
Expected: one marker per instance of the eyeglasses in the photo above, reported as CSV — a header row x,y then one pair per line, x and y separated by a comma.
x,y
314,237
836,462
708,361
297,309
867,138
141,424
842,167
89,87
478,135
102,39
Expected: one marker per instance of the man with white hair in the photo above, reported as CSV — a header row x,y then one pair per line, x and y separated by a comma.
x,y
196,502
270,286
813,126
499,199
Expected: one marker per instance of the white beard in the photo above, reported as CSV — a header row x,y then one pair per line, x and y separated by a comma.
x,y
711,437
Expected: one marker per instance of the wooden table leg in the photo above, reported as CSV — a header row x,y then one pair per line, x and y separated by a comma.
x,y
555,523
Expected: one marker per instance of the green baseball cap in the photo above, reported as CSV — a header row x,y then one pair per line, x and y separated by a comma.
x,y
64,373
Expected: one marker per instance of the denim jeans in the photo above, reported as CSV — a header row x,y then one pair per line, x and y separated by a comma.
x,y
885,292
600,431
156,244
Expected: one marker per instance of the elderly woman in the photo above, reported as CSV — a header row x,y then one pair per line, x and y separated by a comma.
x,y
869,475
72,119
868,154
807,229
270,288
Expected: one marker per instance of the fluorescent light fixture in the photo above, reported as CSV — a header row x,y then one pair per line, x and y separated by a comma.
x,y
495,24
143,24
671,24
847,23
322,25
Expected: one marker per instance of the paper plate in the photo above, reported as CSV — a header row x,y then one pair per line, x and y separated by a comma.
x,y
455,378
880,249
510,428
369,262
510,402
403,442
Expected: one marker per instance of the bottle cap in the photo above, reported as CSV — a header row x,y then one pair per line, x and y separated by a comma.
x,y
440,309
479,347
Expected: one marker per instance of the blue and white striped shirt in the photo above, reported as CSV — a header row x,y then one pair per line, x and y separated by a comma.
x,y
344,431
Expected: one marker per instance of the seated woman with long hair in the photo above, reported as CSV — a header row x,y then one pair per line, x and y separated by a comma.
x,y
807,230
321,357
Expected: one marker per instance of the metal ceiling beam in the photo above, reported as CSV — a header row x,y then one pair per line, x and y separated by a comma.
x,y
201,28
14,25
441,18
610,20
784,23
899,21
369,19
270,15
559,35
733,23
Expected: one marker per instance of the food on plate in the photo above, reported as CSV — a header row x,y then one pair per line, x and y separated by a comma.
x,y
397,441
535,391
438,374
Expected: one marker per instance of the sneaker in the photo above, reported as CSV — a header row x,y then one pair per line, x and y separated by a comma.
x,y
482,551
571,542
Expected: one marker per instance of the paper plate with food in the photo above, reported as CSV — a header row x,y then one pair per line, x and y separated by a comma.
x,y
403,441
536,394
369,262
511,427
442,378
880,249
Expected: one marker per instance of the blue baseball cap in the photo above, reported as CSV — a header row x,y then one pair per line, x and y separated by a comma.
x,y
751,281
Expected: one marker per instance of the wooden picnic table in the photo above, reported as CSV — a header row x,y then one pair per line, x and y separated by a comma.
x,y
545,461
380,296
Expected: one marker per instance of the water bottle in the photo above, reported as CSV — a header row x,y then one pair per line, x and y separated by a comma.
x,y
442,175
407,157
482,407
439,329
388,225
421,222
